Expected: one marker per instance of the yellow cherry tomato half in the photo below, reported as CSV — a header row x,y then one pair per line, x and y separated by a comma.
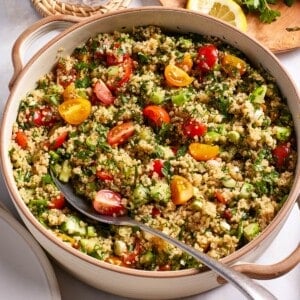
x,y
203,151
70,92
75,111
233,65
175,76
181,190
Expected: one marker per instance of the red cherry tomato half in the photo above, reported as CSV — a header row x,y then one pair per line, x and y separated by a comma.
x,y
227,214
155,212
194,128
131,258
207,57
42,117
156,114
113,59
21,139
127,70
103,93
123,74
157,166
281,154
108,203
120,133
59,140
114,56
104,175
58,202
65,77
165,267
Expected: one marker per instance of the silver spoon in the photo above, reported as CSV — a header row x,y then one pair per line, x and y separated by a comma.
x,y
247,286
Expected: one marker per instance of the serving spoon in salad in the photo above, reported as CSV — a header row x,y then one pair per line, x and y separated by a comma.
x,y
250,288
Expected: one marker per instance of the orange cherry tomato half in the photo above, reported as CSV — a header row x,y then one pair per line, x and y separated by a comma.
x,y
21,139
181,190
233,65
70,92
104,175
187,63
75,111
220,197
120,133
115,260
156,114
175,76
203,151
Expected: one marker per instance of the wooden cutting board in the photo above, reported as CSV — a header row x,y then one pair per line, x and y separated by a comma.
x,y
279,36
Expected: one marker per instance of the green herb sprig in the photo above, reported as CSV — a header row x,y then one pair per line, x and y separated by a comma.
x,y
262,7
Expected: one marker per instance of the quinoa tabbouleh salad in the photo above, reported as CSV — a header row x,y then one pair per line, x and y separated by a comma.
x,y
180,131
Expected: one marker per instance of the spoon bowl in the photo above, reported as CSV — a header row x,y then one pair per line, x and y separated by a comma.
x,y
247,286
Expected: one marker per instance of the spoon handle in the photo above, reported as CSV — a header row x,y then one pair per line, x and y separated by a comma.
x,y
247,286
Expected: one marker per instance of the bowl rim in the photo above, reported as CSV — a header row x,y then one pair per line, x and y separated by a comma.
x,y
29,217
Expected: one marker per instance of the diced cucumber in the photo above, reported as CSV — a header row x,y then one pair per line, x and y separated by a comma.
x,y
251,231
212,137
246,190
147,258
88,245
65,172
229,182
233,136
282,133
91,231
197,205
140,195
46,179
124,231
160,192
113,71
157,96
72,226
120,247
185,43
258,95
54,156
91,142
180,98
240,230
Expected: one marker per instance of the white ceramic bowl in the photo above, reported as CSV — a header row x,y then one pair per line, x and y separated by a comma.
x,y
107,277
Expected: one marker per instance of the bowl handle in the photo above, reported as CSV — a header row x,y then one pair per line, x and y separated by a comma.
x,y
33,33
268,271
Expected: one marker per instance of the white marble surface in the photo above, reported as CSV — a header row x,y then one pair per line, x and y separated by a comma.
x,y
16,16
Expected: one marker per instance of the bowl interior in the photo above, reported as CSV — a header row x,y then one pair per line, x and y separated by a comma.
x,y
170,19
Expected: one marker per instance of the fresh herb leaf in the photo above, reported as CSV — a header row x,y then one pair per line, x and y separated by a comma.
x,y
265,12
166,170
269,15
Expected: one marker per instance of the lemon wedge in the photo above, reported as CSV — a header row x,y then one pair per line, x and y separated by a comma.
x,y
225,10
